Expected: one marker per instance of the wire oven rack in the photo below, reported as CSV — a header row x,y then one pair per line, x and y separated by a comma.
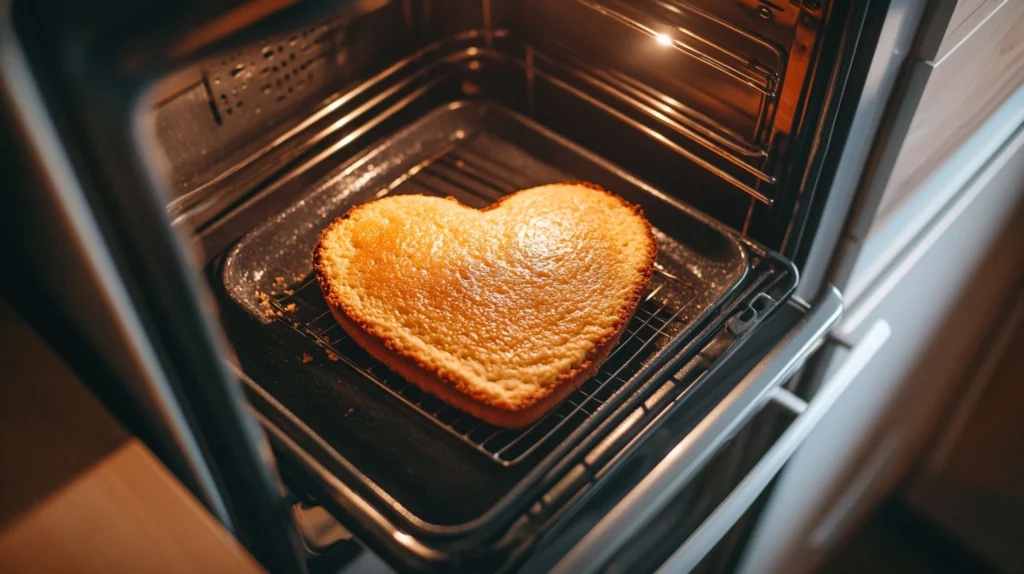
x,y
306,311
750,60
476,180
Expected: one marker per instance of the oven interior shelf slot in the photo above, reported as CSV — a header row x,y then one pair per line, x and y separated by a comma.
x,y
722,118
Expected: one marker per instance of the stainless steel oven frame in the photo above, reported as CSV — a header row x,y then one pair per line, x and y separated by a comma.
x,y
98,212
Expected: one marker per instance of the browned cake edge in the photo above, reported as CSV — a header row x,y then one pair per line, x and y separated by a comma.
x,y
457,393
429,382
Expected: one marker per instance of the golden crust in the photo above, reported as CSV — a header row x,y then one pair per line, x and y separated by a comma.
x,y
506,411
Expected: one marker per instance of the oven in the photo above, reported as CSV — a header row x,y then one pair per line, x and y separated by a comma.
x,y
182,158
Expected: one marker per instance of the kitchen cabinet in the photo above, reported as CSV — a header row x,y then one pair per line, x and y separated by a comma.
x,y
967,17
940,296
970,483
978,66
80,494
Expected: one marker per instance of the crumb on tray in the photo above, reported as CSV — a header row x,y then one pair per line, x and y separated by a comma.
x,y
264,303
290,307
307,358
331,356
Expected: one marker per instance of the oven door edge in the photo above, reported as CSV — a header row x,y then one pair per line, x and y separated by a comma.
x,y
757,387
689,555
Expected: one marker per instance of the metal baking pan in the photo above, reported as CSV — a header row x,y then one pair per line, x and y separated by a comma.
x,y
436,472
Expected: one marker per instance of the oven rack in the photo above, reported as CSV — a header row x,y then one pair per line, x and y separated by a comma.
x,y
470,176
306,312
741,67
742,160
354,411
745,157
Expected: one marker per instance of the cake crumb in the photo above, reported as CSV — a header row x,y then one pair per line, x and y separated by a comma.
x,y
264,303
290,307
307,358
331,356
278,280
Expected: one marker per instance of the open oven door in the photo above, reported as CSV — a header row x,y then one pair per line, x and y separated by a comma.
x,y
686,492
687,500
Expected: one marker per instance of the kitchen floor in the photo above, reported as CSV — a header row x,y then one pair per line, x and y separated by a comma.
x,y
896,541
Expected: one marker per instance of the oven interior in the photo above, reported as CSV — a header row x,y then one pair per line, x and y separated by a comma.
x,y
474,473
705,101
705,113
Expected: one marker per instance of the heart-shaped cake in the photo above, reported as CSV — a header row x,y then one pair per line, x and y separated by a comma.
x,y
500,312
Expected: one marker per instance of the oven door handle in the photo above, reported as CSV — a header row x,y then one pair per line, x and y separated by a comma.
x,y
635,511
722,519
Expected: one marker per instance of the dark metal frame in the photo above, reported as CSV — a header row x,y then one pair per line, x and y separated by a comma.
x,y
94,66
740,300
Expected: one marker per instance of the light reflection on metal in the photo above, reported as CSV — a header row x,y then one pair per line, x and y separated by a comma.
x,y
759,82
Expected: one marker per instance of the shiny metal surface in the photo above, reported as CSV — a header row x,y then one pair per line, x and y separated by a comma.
x,y
834,248
686,459
705,84
690,554
658,314
696,94
765,82
475,152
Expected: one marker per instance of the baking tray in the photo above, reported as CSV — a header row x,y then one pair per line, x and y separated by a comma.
x,y
434,470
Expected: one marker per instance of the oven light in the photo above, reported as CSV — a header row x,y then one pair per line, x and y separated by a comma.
x,y
663,39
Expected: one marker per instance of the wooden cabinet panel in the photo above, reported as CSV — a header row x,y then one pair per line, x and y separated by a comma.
x,y
125,514
967,17
966,86
82,495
